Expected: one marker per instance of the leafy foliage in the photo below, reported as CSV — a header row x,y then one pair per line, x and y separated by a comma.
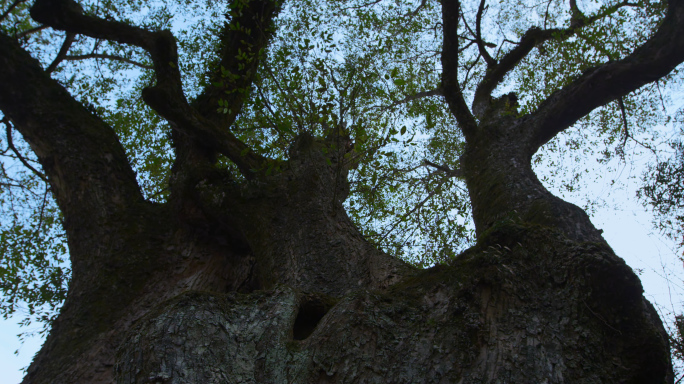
x,y
33,271
664,191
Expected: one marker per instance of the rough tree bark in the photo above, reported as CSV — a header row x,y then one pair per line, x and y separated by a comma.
x,y
265,279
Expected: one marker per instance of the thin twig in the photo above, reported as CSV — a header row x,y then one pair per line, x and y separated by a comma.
x,y
10,144
42,208
478,34
68,40
450,172
415,12
107,56
433,92
287,99
407,214
30,31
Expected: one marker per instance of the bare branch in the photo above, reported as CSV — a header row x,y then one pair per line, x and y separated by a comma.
x,y
364,5
546,13
10,144
474,40
450,54
478,35
61,55
109,57
418,8
449,172
32,30
433,92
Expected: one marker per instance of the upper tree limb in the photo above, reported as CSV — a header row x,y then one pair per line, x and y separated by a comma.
x,y
533,37
242,45
80,154
600,85
450,53
166,97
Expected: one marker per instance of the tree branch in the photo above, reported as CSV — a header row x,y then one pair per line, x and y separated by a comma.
x,y
415,11
242,44
623,112
478,35
10,144
109,57
598,86
450,54
85,163
62,54
419,95
576,16
166,97
450,172
532,38
30,31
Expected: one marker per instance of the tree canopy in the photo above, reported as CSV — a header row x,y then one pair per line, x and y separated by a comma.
x,y
399,85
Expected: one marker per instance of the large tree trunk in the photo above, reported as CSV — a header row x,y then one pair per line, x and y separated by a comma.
x,y
294,294
264,279
528,306
268,281
498,172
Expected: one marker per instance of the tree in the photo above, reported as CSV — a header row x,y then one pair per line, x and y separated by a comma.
x,y
238,261
663,191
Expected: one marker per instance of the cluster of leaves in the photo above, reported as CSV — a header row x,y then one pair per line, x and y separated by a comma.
x,y
663,190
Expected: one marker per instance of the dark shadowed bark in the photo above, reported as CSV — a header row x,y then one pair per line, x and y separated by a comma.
x,y
263,278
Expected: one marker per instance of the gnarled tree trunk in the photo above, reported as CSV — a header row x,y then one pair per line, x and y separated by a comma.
x,y
264,279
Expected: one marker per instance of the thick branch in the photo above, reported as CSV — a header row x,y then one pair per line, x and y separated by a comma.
x,y
576,15
80,154
496,73
598,86
167,96
450,53
242,44
187,120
